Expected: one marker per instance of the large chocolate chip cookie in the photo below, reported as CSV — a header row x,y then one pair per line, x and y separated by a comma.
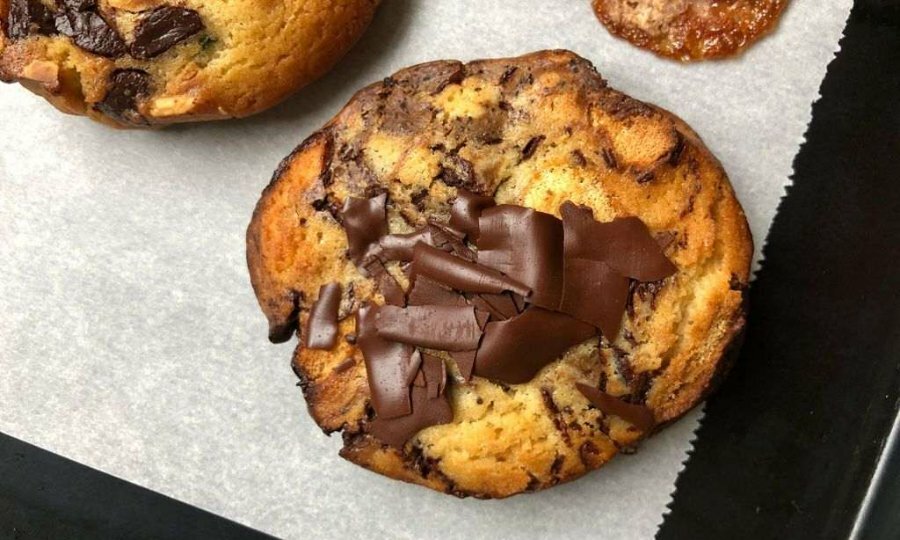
x,y
501,272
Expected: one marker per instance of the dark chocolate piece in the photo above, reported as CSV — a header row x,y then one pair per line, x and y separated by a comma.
x,y
399,247
434,370
346,365
365,222
385,282
625,244
465,362
162,28
513,351
460,274
427,292
639,415
126,88
445,328
322,325
426,411
457,172
531,147
389,366
527,246
596,294
500,306
89,30
466,210
27,17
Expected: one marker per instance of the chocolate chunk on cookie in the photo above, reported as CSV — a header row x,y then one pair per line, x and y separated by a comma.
x,y
163,27
520,315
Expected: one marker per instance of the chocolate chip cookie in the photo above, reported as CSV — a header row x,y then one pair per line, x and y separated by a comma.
x,y
690,30
501,273
139,63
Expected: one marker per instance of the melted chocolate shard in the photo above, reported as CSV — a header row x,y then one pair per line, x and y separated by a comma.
x,y
162,28
638,415
531,147
596,294
28,17
389,367
322,325
399,247
434,370
126,88
514,351
465,362
89,30
625,244
466,211
365,222
385,282
500,306
426,411
462,275
445,328
527,246
427,292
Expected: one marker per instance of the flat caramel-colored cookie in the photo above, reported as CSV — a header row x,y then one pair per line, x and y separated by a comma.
x,y
501,272
690,29
138,63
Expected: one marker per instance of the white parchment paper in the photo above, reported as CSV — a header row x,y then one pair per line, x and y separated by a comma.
x,y
130,339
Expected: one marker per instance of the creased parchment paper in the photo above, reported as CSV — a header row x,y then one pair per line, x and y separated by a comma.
x,y
130,339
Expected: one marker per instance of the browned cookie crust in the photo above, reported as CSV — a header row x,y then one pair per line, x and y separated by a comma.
x,y
140,63
534,131
690,29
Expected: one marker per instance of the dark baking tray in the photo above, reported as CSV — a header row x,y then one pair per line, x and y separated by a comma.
x,y
791,443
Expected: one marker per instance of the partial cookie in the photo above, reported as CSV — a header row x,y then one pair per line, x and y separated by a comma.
x,y
501,272
138,63
690,29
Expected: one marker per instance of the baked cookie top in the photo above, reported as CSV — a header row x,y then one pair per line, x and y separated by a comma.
x,y
133,63
428,210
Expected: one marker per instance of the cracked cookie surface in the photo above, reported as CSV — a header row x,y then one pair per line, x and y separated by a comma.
x,y
533,131
138,63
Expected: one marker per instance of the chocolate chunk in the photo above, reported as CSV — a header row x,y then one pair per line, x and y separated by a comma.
x,y
457,172
513,351
322,326
28,17
365,222
527,246
531,147
625,244
389,366
427,292
596,294
460,274
426,411
126,87
346,365
639,415
162,28
445,328
466,210
385,282
90,31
